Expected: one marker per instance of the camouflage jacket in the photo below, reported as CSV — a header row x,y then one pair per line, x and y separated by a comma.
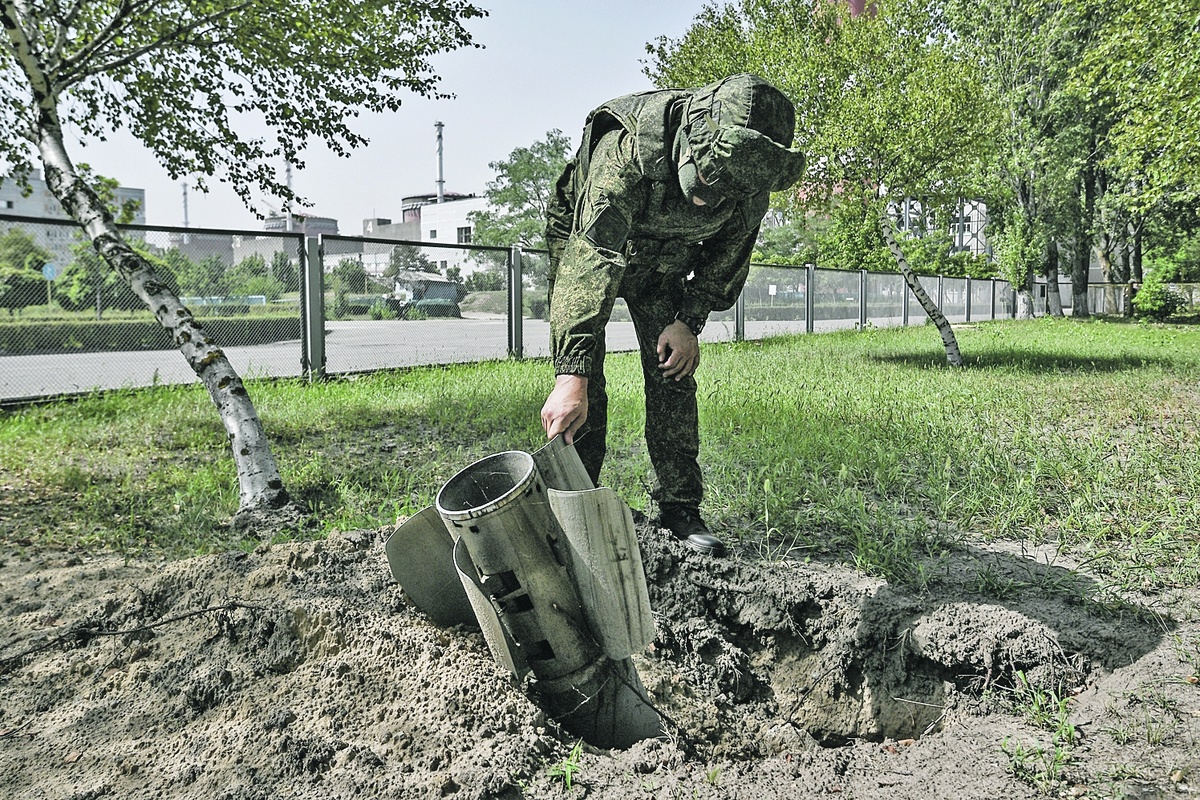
x,y
619,216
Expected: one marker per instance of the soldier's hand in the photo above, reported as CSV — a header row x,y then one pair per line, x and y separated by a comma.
x,y
678,351
566,408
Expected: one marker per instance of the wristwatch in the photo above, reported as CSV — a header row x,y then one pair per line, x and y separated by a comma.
x,y
695,324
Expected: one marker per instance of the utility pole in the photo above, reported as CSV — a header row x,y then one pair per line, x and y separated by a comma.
x,y
185,210
441,183
290,219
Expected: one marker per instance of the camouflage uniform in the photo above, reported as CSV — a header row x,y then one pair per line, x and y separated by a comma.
x,y
622,225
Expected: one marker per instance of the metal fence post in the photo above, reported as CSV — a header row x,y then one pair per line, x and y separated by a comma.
x,y
904,305
993,298
862,299
968,298
810,283
516,305
314,310
940,295
739,317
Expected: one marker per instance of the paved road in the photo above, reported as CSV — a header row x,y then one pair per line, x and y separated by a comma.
x,y
350,347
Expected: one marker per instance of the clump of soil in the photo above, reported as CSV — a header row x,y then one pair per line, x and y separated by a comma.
x,y
302,671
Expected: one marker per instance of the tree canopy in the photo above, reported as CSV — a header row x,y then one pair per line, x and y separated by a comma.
x,y
885,108
520,193
1076,121
224,88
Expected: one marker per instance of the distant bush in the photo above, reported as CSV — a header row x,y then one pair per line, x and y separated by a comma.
x,y
437,308
381,310
101,337
1156,300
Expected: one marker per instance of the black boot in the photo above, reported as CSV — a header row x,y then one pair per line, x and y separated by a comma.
x,y
686,524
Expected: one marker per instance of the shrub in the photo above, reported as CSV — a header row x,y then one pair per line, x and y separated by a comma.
x,y
381,310
1156,300
437,308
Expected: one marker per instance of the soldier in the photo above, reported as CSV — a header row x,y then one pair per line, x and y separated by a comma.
x,y
661,205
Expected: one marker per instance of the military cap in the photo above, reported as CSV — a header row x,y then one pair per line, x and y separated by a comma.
x,y
738,132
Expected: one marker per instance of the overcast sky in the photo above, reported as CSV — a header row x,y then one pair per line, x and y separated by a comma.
x,y
544,65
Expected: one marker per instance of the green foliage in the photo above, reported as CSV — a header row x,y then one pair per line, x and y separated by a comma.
x,y
486,280
853,241
1139,69
568,768
408,258
197,83
250,276
285,269
1180,264
520,194
21,281
348,275
1156,300
930,254
380,310
1019,250
793,243
87,282
884,104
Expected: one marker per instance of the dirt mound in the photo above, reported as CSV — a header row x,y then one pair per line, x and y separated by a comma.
x,y
302,671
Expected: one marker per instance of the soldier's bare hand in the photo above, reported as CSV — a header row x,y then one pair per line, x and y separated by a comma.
x,y
678,351
566,408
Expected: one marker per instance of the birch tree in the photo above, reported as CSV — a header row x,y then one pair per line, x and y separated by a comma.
x,y
216,89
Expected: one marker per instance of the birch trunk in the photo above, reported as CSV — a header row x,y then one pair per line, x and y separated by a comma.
x,y
939,319
260,487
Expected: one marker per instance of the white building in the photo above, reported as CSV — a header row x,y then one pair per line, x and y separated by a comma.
x,y
425,220
58,239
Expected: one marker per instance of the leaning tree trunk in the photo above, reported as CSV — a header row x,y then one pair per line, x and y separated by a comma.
x,y
910,277
260,485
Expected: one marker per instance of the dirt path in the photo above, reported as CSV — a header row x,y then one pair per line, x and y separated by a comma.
x,y
300,671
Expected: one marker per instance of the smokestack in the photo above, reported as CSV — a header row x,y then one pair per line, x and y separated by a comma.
x,y
441,184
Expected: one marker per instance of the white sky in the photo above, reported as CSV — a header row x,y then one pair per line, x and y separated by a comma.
x,y
544,65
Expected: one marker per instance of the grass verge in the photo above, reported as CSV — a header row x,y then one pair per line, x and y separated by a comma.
x,y
861,446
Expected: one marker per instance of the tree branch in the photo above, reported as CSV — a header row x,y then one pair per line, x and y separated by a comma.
x,y
64,29
175,36
12,18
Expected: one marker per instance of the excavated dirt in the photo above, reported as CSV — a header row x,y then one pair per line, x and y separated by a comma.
x,y
301,671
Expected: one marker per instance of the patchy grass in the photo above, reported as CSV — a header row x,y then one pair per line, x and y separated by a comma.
x,y
861,446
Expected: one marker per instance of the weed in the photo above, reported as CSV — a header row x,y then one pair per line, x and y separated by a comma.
x,y
568,768
1042,768
1045,708
990,583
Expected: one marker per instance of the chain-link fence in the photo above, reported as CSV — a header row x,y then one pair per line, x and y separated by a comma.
x,y
282,305
70,324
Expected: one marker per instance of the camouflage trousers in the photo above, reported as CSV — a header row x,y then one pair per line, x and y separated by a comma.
x,y
672,424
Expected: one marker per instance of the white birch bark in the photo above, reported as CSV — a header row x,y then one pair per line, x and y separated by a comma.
x,y
953,356
260,486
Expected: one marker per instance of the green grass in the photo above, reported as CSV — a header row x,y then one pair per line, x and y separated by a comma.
x,y
858,446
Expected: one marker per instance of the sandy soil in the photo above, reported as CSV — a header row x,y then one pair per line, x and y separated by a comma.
x,y
301,671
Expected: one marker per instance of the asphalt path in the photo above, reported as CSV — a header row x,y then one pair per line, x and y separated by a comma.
x,y
350,346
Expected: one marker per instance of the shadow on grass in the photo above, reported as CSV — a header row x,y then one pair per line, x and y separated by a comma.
x,y
1029,361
